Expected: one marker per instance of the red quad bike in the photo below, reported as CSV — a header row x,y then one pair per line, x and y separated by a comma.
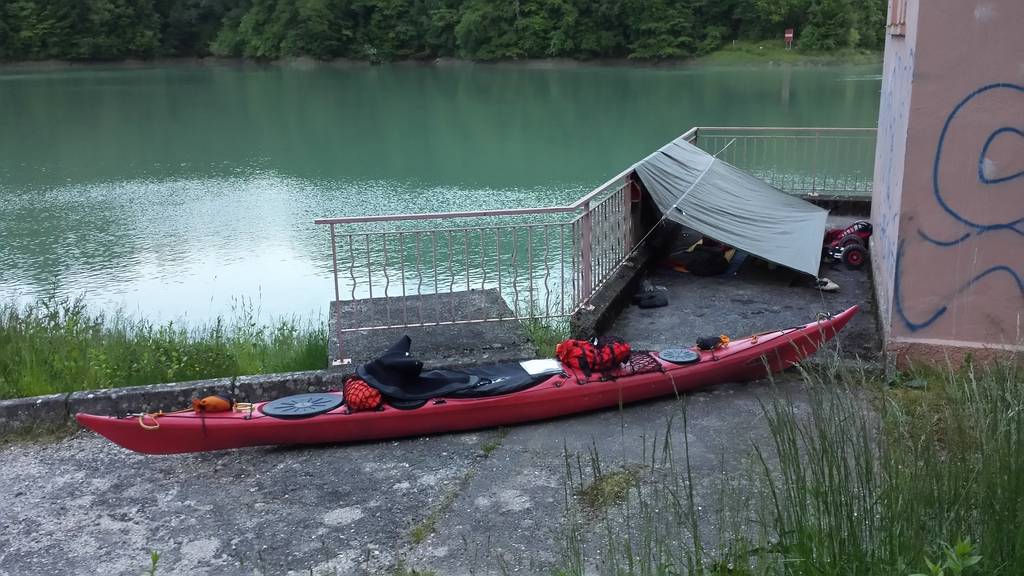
x,y
848,245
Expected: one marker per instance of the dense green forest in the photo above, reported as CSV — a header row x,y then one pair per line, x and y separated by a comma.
x,y
381,30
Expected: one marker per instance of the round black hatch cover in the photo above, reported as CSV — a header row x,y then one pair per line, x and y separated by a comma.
x,y
679,355
302,405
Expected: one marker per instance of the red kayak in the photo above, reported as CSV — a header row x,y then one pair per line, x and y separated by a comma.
x,y
565,393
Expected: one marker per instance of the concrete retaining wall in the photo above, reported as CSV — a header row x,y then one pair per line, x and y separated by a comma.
x,y
24,415
56,411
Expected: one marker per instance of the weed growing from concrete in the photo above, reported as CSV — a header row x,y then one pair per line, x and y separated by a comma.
x,y
546,334
494,442
605,487
402,570
608,488
38,435
154,559
59,345
426,527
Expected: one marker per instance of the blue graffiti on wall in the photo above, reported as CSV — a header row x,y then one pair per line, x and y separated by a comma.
x,y
1016,224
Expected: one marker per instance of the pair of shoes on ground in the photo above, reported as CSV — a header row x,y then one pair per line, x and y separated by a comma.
x,y
651,296
826,285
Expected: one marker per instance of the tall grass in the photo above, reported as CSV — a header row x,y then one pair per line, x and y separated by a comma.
x,y
857,479
59,345
546,334
655,530
879,494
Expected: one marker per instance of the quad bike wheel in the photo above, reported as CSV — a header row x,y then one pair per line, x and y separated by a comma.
x,y
854,256
851,240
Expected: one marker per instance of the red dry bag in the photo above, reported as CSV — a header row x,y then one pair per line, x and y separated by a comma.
x,y
597,355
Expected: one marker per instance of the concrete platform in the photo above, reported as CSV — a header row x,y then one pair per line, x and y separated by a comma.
x,y
440,342
757,297
755,300
494,498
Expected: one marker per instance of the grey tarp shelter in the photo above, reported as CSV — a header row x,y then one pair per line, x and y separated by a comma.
x,y
723,202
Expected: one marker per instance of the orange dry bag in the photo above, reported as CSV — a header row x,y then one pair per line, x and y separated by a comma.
x,y
214,403
360,396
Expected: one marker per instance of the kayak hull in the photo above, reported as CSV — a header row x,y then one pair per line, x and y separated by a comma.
x,y
559,395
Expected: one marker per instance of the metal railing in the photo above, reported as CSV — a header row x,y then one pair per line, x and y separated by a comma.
x,y
429,276
406,270
481,266
810,162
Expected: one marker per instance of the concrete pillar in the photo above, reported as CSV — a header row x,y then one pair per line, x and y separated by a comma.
x,y
948,205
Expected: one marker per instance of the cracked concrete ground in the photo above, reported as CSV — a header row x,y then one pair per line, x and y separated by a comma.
x,y
84,506
476,503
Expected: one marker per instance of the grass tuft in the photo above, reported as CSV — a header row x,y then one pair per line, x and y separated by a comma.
x,y
38,435
58,345
154,559
608,488
422,530
493,443
546,334
402,570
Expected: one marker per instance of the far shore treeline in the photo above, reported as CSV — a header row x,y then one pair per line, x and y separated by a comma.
x,y
385,30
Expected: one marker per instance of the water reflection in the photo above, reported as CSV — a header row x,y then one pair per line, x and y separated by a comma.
x,y
173,190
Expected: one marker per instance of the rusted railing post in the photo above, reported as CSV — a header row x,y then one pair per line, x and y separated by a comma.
x,y
627,221
586,253
337,300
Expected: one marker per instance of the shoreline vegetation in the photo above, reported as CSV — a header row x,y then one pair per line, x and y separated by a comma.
x,y
379,31
57,345
737,55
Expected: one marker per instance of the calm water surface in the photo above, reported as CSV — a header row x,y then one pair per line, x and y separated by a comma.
x,y
176,191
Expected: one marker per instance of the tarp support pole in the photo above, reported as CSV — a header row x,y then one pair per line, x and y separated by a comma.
x,y
690,189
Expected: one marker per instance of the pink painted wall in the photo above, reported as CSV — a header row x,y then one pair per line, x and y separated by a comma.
x,y
949,253
890,153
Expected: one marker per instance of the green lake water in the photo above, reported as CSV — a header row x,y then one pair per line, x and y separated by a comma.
x,y
176,191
